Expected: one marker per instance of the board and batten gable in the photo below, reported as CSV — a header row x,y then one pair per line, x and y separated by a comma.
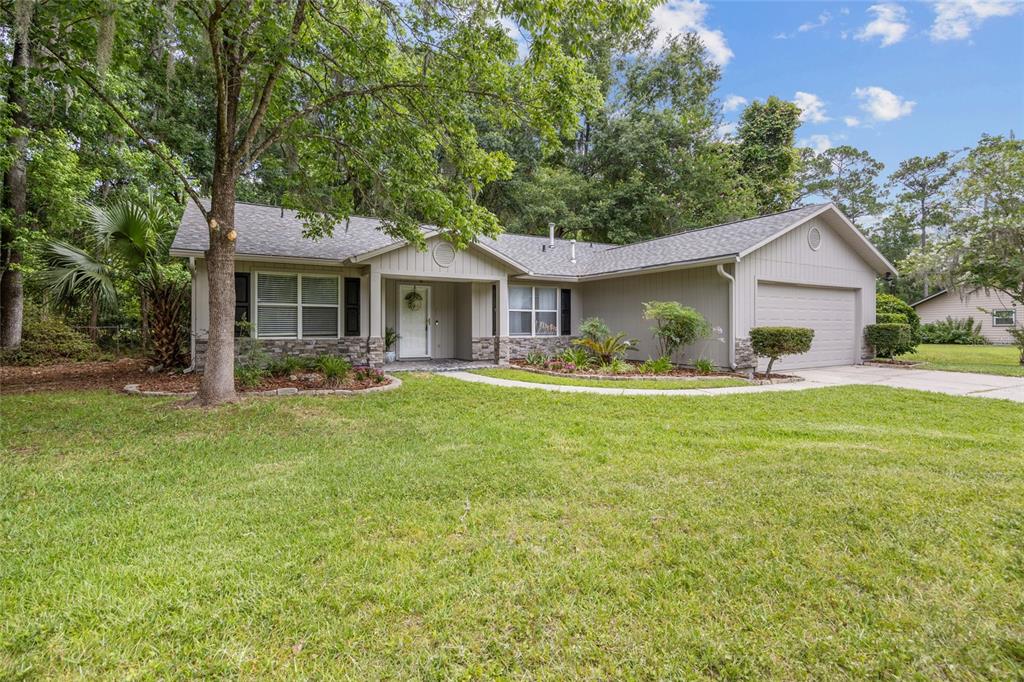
x,y
619,302
410,262
791,260
201,288
977,304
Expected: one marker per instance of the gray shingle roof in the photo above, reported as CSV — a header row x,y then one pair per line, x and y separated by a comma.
x,y
269,231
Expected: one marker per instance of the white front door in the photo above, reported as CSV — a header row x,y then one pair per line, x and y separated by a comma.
x,y
413,321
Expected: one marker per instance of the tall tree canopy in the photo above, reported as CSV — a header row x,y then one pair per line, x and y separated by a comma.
x,y
846,176
768,158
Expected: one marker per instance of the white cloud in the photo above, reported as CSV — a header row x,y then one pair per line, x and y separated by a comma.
x,y
812,109
956,20
818,143
823,19
726,130
889,24
844,10
883,105
851,121
733,102
687,16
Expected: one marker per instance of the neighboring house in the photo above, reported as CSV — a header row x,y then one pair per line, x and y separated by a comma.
x,y
502,298
995,310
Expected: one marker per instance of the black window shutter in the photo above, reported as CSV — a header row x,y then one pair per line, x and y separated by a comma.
x,y
566,312
243,312
351,306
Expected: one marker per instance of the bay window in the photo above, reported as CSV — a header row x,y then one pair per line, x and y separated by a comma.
x,y
532,311
297,306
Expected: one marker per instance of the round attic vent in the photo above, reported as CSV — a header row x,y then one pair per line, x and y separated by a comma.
x,y
444,254
814,238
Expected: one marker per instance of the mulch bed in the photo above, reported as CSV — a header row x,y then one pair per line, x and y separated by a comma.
x,y
885,362
676,373
115,375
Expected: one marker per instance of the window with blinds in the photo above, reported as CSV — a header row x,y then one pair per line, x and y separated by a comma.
x,y
297,306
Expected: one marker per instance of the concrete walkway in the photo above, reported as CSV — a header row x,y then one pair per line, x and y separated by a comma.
x,y
950,383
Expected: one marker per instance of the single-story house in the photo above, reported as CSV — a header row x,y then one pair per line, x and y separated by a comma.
x,y
504,297
993,309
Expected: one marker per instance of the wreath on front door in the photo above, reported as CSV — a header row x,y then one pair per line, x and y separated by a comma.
x,y
414,300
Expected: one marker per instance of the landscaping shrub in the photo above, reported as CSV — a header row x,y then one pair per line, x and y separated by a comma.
x,y
889,304
1018,340
615,366
891,318
888,339
290,364
608,348
334,368
661,365
676,325
536,359
48,339
776,342
363,372
594,328
964,332
249,376
704,366
577,357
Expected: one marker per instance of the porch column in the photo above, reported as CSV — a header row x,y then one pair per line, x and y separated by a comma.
x,y
502,342
375,339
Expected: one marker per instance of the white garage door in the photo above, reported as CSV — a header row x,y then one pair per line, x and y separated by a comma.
x,y
831,313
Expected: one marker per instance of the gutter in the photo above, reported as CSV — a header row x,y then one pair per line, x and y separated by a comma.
x,y
720,269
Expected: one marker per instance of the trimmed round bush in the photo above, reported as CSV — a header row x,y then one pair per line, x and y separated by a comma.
x,y
776,342
891,318
888,339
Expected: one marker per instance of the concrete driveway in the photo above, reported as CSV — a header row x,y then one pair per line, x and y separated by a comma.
x,y
951,383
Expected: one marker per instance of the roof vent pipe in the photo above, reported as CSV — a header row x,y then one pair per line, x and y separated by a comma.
x,y
573,245
551,235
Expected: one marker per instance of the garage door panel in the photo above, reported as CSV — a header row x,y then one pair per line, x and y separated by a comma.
x,y
831,313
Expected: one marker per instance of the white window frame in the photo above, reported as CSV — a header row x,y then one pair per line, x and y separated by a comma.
x,y
533,310
298,303
1013,317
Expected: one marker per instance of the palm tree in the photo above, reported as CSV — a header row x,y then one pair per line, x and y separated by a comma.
x,y
129,240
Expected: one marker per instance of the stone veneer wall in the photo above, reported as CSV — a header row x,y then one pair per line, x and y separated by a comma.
x,y
356,349
745,359
520,346
485,348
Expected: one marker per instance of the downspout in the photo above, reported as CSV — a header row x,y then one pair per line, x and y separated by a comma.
x,y
731,339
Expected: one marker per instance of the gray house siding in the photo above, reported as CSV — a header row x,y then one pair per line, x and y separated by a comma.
x,y
789,260
619,302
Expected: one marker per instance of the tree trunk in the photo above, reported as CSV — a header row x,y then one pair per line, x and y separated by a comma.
x,y
12,297
218,382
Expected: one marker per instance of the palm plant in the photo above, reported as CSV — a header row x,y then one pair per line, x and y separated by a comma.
x,y
127,239
607,349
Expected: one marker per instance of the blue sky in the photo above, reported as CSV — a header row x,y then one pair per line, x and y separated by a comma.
x,y
896,79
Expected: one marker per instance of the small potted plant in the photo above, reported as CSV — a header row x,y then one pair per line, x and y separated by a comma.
x,y
390,339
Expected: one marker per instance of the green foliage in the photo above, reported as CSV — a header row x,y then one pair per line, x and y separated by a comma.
x,y
47,339
576,356
894,318
776,342
660,365
1017,334
333,367
607,349
536,358
887,304
676,325
704,366
964,332
768,159
615,365
250,349
594,328
249,376
846,176
390,338
290,364
888,339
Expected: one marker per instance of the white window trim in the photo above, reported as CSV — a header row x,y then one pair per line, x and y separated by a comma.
x,y
1013,318
533,310
298,304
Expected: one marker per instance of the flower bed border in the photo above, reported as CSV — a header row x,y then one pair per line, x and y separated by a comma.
x,y
777,378
393,383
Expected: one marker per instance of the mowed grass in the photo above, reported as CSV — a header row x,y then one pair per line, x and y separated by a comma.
x,y
458,530
1003,360
534,378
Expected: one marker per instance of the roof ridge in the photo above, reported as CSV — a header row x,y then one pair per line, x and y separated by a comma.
x,y
725,224
504,233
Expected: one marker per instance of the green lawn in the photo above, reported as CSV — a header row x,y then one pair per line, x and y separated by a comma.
x,y
534,378
458,530
1004,360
